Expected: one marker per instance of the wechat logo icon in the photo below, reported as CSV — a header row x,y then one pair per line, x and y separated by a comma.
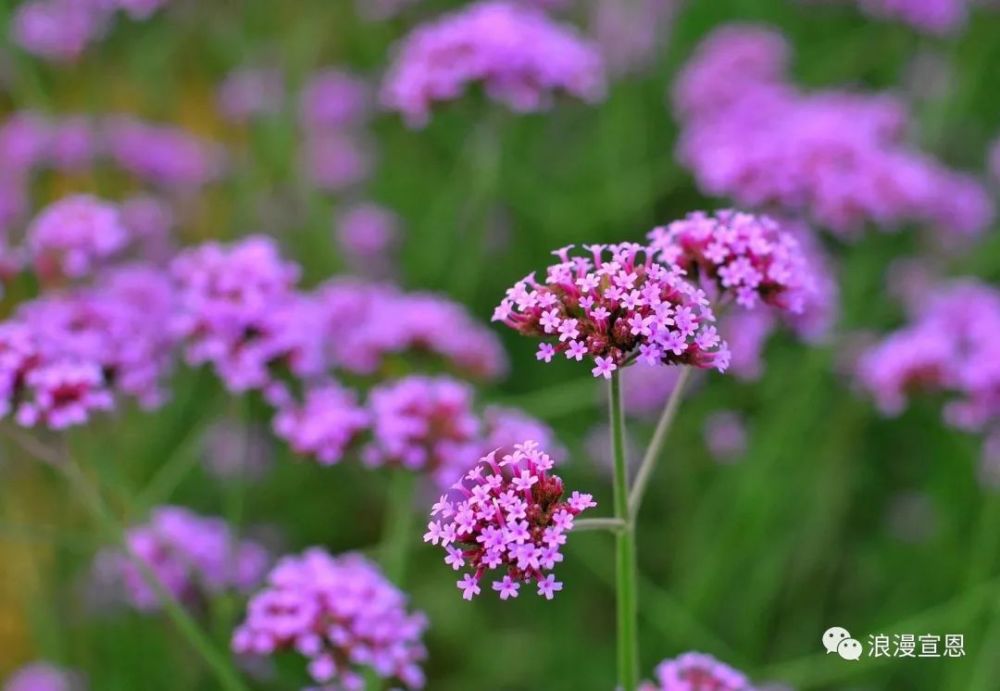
x,y
838,640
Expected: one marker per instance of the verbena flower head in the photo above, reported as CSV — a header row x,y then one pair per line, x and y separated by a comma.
x,y
334,98
631,34
507,514
366,231
336,160
743,256
367,325
75,234
194,557
66,355
520,56
612,307
342,615
697,672
425,424
239,311
952,345
725,435
940,17
57,30
251,92
161,154
325,425
839,158
43,676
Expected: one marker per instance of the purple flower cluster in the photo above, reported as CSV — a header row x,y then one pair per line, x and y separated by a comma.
x,y
370,323
60,30
426,424
725,435
365,232
161,154
238,310
341,614
697,672
629,34
72,236
65,355
941,17
43,676
334,98
615,310
192,556
506,514
251,92
521,57
324,425
744,256
952,345
838,157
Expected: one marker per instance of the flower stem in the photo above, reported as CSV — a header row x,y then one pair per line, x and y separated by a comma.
x,y
611,524
64,463
626,591
399,524
656,444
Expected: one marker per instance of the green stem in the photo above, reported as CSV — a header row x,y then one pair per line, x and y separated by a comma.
x,y
626,590
398,531
64,463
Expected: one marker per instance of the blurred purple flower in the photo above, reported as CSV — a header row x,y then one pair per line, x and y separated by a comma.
x,y
747,334
630,33
150,222
939,17
503,427
162,154
424,424
365,233
65,355
646,388
193,557
234,450
334,161
697,672
838,157
57,30
334,99
952,344
725,436
507,513
73,143
521,56
341,614
614,309
73,236
325,425
249,92
25,138
366,324
44,676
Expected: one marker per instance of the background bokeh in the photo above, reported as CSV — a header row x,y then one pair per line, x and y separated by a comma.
x,y
833,515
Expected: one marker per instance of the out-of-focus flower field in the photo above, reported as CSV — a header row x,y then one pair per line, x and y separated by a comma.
x,y
262,291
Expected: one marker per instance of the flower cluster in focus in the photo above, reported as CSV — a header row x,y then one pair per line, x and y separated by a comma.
x,y
613,306
507,513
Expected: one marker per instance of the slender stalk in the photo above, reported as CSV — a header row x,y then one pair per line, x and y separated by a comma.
x,y
63,462
611,524
656,444
398,531
625,582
